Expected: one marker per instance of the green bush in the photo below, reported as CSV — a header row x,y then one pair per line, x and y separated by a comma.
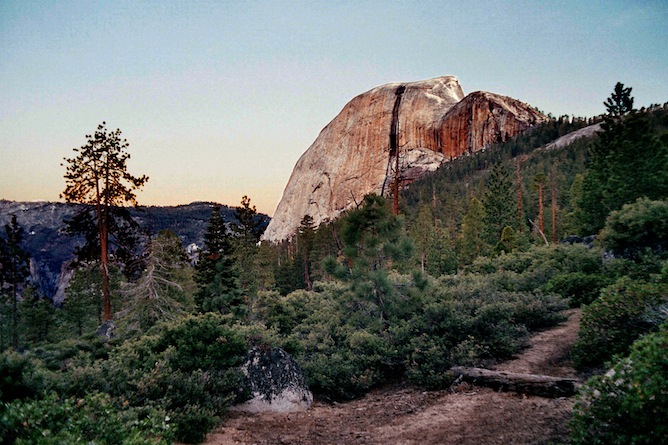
x,y
466,320
623,312
635,227
189,367
94,418
629,404
578,287
342,359
18,377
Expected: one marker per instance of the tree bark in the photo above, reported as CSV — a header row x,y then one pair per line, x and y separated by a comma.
x,y
519,194
554,208
534,384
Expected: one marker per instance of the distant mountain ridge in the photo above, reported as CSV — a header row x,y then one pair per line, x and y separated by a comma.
x,y
49,247
425,123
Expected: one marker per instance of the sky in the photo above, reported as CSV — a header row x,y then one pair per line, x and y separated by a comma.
x,y
219,99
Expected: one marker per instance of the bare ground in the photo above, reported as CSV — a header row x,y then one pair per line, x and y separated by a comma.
x,y
405,415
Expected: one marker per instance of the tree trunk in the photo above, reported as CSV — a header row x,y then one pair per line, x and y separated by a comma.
x,y
554,207
519,195
15,309
541,223
535,384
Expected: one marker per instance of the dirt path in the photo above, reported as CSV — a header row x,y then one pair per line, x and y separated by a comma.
x,y
405,415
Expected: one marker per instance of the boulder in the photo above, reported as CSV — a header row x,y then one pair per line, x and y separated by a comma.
x,y
275,382
106,330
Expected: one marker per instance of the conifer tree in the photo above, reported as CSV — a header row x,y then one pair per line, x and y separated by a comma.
x,y
472,241
498,203
98,176
37,316
626,162
247,232
305,239
82,308
422,234
163,290
539,181
216,276
125,237
14,271
373,243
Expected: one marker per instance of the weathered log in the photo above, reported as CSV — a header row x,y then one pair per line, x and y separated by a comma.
x,y
535,384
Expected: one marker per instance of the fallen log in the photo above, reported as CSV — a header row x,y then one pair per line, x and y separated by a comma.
x,y
535,384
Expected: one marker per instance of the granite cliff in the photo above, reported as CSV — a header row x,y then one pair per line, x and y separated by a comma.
x,y
425,123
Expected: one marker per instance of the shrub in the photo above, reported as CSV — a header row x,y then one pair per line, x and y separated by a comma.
x,y
189,367
467,321
17,377
642,224
95,418
578,287
623,312
629,404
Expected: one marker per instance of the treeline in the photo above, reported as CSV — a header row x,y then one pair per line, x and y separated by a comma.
x,y
462,276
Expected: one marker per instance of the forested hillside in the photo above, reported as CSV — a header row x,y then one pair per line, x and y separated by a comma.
x,y
471,266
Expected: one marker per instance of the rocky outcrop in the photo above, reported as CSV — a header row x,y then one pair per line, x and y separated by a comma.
x,y
482,119
571,137
426,123
275,382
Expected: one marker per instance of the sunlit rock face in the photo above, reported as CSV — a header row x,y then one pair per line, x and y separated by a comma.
x,y
482,119
427,123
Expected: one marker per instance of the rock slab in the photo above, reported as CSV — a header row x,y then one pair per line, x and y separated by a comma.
x,y
275,381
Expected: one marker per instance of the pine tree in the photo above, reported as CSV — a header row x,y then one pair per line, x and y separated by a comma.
x,y
373,243
422,234
472,242
82,307
247,232
98,176
37,316
539,181
305,239
441,254
249,224
498,203
626,162
163,290
216,275
14,271
125,238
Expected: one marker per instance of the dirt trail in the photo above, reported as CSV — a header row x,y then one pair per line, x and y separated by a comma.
x,y
405,415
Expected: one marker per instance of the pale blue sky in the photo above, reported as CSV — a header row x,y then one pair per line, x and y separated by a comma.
x,y
219,99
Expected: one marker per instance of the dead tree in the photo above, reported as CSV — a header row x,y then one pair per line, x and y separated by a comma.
x,y
534,384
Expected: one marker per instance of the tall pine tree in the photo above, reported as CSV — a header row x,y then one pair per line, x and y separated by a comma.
x,y
626,162
216,276
499,203
98,176
14,271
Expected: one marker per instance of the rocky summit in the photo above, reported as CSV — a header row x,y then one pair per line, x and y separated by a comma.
x,y
424,123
